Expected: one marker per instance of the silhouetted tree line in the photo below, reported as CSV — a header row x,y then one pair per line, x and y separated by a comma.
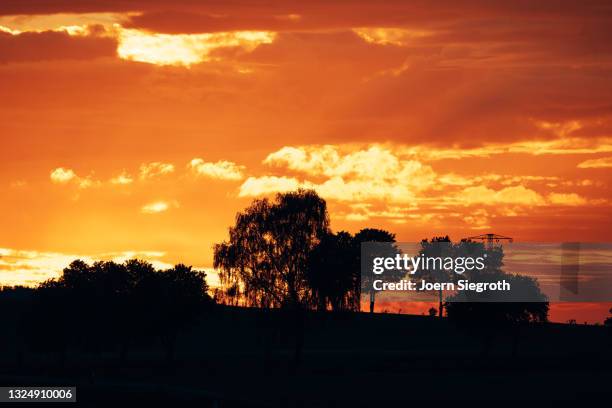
x,y
112,306
608,321
281,253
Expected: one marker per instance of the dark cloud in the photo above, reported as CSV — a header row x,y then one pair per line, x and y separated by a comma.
x,y
478,19
176,22
51,45
489,72
321,13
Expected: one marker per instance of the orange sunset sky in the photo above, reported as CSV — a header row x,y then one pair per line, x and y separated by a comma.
x,y
140,127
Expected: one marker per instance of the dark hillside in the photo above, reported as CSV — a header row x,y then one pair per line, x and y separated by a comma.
x,y
234,355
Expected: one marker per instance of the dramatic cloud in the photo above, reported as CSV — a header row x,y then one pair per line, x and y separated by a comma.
x,y
52,45
315,159
416,118
373,163
95,35
223,170
375,173
183,49
256,186
66,22
403,188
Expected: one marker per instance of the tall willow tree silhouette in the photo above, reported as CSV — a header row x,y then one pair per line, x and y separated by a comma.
x,y
268,249
268,252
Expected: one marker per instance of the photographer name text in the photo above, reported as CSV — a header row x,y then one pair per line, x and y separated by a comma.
x,y
407,285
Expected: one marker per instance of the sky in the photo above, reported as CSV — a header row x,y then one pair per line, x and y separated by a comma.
x,y
140,127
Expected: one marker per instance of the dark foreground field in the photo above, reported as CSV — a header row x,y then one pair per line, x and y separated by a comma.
x,y
247,358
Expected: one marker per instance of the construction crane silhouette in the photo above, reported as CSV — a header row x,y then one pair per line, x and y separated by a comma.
x,y
489,239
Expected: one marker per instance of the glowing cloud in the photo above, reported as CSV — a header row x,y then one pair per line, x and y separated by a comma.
x,y
389,36
122,179
560,129
517,195
157,207
65,176
560,146
222,170
363,212
183,49
602,163
372,163
73,30
308,159
256,186
139,45
61,175
155,169
72,23
374,173
401,187
566,199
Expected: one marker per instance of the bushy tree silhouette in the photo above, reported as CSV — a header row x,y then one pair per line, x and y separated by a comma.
x,y
385,247
473,306
608,321
15,303
334,268
180,302
436,247
108,305
333,273
473,311
55,328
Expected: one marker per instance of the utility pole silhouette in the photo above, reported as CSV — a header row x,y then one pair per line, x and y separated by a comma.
x,y
489,239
